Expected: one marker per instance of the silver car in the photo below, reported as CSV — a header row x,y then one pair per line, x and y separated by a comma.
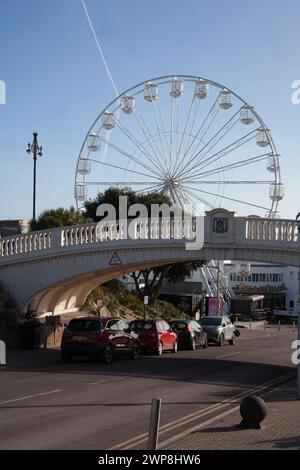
x,y
219,330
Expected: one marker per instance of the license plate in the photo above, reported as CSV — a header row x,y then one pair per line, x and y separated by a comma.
x,y
80,338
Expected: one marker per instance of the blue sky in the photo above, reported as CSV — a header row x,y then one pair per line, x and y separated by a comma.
x,y
57,85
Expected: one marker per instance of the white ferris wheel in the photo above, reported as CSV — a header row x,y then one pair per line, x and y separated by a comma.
x,y
188,137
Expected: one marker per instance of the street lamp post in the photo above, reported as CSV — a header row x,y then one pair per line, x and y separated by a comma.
x,y
35,150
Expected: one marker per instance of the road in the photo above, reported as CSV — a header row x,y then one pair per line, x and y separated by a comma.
x,y
88,405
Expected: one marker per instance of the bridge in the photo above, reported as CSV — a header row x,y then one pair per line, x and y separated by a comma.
x,y
53,271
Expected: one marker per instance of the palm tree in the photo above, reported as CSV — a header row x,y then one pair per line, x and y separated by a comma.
x,y
58,218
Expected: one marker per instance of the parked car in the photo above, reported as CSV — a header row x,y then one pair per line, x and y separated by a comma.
x,y
101,337
219,330
190,334
155,336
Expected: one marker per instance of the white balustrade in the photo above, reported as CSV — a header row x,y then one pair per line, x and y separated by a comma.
x,y
272,232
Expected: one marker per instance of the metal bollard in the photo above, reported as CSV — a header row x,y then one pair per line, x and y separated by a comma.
x,y
265,325
278,325
154,423
2,353
250,324
294,327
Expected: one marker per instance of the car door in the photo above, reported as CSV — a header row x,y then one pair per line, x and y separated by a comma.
x,y
226,327
162,334
196,332
230,328
169,335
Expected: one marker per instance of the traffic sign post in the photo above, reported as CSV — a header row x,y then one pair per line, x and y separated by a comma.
x,y
146,301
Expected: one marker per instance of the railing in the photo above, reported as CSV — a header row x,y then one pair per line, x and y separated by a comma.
x,y
246,230
25,243
272,230
155,229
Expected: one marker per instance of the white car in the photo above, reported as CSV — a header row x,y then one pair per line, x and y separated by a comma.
x,y
219,330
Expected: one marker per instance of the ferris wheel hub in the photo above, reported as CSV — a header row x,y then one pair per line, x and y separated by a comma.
x,y
183,136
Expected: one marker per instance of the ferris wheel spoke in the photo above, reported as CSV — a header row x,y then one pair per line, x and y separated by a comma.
x,y
196,196
186,131
149,137
228,182
213,111
125,169
123,183
221,153
229,198
164,152
228,126
137,143
232,166
171,135
156,187
163,126
130,157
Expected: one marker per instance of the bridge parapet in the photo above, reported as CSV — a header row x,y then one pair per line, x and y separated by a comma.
x,y
235,230
272,230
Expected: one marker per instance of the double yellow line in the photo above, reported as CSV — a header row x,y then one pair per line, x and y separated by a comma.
x,y
136,441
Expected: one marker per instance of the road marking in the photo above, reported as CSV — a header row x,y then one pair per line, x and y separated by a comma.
x,y
28,397
228,355
189,431
135,441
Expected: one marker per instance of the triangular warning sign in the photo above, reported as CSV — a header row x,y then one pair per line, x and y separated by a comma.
x,y
115,259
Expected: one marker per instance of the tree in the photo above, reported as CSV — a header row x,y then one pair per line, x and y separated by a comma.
x,y
152,279
58,218
111,196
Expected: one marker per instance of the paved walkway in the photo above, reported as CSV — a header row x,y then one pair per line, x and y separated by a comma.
x,y
281,427
23,358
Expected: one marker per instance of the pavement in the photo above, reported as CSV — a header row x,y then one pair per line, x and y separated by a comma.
x,y
280,430
46,404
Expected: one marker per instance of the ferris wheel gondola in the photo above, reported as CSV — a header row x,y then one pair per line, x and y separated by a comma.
x,y
188,137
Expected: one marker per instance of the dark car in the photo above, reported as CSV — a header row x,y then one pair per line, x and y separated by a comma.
x,y
190,334
155,336
100,337
219,330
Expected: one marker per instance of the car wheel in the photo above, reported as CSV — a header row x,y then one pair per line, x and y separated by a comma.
x,y
221,340
107,354
175,347
232,341
193,344
66,356
134,353
159,350
205,343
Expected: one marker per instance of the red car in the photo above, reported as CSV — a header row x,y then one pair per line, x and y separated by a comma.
x,y
155,336
101,337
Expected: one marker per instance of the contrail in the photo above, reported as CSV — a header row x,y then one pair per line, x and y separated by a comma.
x,y
100,49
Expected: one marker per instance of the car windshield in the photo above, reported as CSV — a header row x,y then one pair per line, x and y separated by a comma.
x,y
213,321
141,325
178,325
84,325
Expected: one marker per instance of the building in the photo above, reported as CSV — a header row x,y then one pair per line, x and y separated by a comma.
x,y
278,283
13,227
